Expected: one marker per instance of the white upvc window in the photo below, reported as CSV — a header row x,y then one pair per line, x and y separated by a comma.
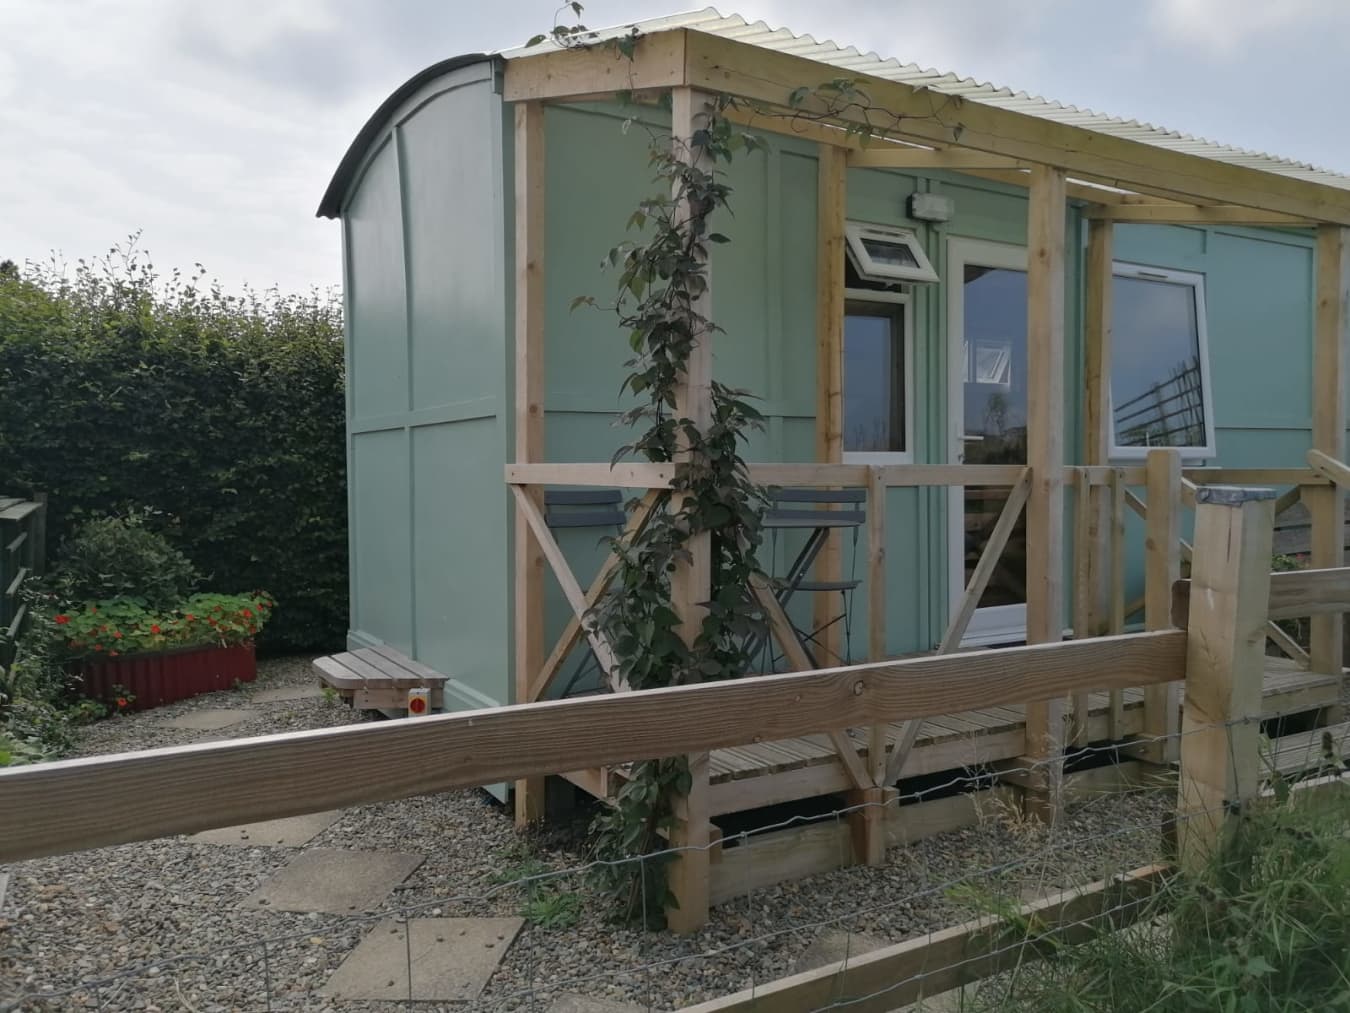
x,y
878,378
884,254
1160,391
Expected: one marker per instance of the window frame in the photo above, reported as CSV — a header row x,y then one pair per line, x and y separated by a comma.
x,y
856,296
870,270
1196,282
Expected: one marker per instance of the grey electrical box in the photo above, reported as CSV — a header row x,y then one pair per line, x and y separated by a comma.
x,y
930,207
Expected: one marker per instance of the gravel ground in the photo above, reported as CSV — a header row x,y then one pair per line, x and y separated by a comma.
x,y
163,918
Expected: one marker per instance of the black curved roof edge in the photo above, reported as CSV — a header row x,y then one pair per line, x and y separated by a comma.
x,y
331,204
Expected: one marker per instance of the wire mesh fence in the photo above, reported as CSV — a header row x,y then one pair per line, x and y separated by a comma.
x,y
971,918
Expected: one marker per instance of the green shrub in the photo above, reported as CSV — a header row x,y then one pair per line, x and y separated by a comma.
x,y
223,415
113,557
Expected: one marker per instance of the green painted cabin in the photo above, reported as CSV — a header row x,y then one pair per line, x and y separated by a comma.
x,y
425,197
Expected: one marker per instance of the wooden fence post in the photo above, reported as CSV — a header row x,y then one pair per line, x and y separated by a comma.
x,y
1225,665
1162,569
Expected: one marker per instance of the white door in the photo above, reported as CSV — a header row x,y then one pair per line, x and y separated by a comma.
x,y
987,329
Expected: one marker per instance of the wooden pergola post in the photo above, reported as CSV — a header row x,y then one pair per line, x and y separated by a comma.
x,y
528,616
691,584
831,217
1326,504
1045,457
1162,569
1097,424
1225,666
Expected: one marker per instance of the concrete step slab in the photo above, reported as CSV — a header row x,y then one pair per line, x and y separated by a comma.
x,y
282,694
451,960
207,720
285,833
334,881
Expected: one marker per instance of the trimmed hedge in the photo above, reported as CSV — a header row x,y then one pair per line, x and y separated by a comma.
x,y
221,415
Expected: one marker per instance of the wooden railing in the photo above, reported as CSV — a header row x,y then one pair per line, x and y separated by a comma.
x,y
23,540
97,801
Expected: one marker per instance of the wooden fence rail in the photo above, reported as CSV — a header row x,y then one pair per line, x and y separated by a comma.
x,y
91,802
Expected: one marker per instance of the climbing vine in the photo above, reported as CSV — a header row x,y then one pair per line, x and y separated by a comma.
x,y
661,278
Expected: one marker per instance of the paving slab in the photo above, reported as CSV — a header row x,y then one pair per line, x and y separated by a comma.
x,y
284,693
208,720
452,959
291,832
334,881
4,885
570,1003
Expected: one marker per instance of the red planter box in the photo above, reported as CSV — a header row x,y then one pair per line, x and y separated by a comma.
x,y
152,680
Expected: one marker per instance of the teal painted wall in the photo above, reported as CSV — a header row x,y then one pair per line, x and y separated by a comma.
x,y
429,265
427,272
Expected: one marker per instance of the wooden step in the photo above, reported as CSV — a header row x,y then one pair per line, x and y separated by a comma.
x,y
378,678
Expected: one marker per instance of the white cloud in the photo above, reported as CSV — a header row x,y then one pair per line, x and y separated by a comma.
x,y
1223,28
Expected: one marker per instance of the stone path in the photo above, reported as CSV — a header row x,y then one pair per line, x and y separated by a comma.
x,y
334,881
207,720
451,959
292,832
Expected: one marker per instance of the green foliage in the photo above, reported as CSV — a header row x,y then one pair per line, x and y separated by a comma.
x,y
550,908
661,283
222,416
111,557
132,626
1266,927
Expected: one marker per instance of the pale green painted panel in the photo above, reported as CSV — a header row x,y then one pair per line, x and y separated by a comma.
x,y
1260,302
597,174
795,390
453,214
381,595
743,278
377,330
460,566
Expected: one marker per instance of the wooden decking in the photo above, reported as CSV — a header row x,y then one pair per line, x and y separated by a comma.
x,y
769,773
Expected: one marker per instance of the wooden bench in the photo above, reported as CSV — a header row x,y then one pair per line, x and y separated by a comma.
x,y
378,678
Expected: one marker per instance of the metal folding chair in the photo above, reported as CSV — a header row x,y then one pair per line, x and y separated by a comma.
x,y
584,508
808,510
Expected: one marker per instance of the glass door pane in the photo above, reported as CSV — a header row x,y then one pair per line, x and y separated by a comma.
x,y
994,414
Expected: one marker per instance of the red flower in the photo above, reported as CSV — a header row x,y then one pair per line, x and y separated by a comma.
x,y
123,702
190,617
154,627
103,629
113,654
61,620
117,634
98,647
93,608
247,613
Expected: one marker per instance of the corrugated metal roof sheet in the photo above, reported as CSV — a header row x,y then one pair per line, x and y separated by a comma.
x,y
783,40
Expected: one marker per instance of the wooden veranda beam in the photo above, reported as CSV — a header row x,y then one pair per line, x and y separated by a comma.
x,y
1162,569
691,582
528,570
752,72
831,214
1045,457
1189,214
1331,348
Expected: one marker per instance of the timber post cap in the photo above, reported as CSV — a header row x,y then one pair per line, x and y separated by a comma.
x,y
1231,495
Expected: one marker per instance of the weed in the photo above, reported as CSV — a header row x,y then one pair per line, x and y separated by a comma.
x,y
552,909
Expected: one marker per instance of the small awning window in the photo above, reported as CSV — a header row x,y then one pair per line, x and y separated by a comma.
x,y
883,254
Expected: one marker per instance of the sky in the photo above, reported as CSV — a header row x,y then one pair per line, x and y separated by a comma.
x,y
212,128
